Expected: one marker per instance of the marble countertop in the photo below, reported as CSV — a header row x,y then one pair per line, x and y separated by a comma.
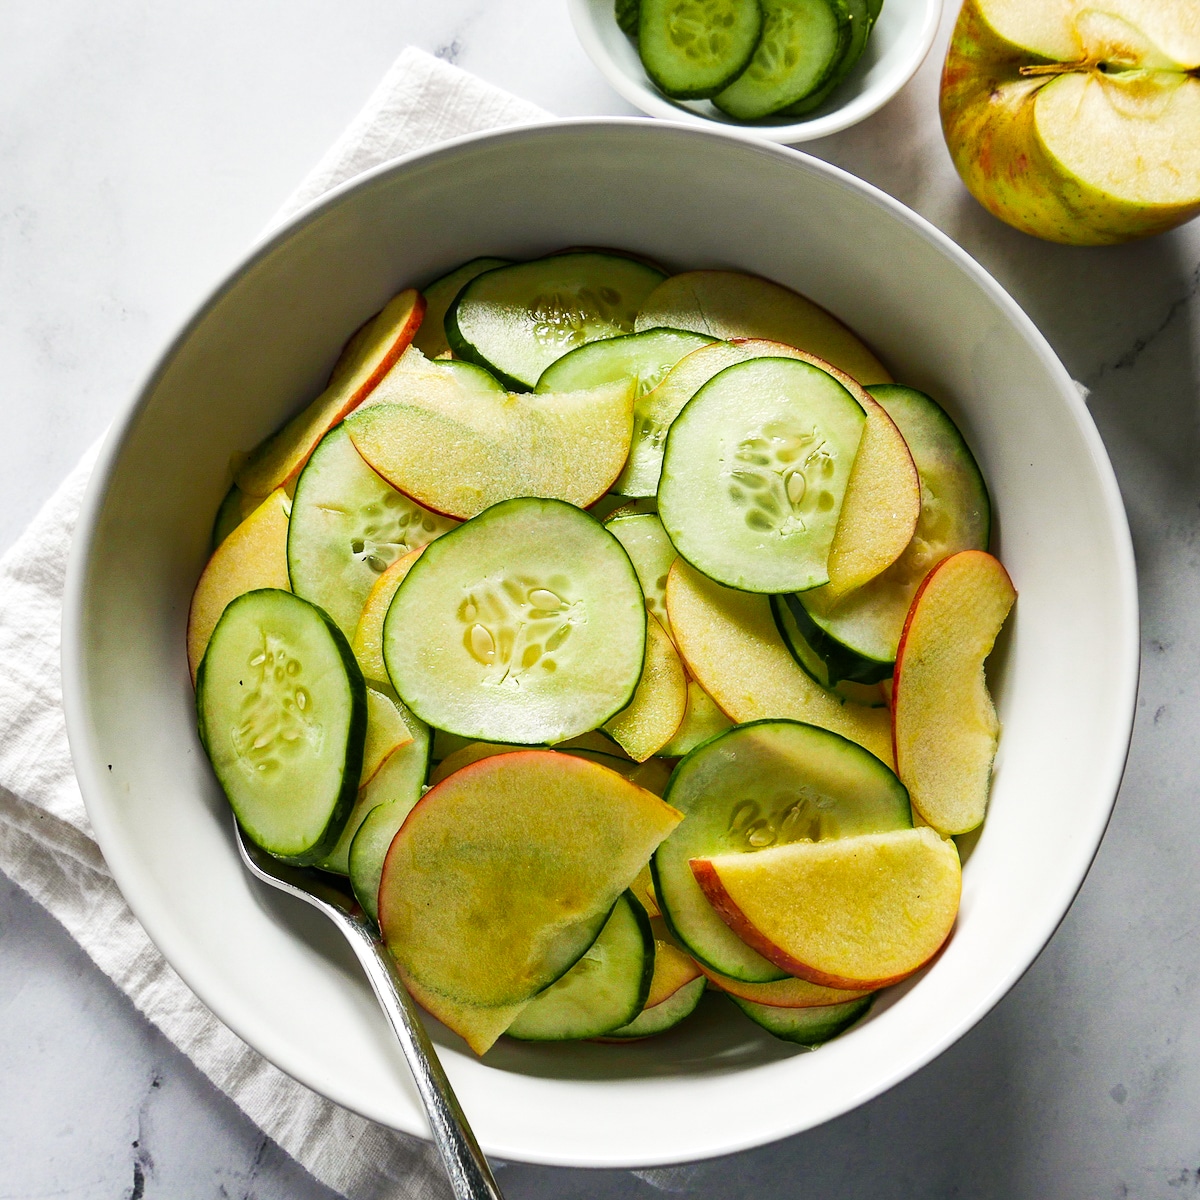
x,y
141,148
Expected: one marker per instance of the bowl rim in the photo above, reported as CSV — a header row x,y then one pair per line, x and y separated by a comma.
x,y
641,94
122,861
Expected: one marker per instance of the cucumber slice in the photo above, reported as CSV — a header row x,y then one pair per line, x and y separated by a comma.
x,y
805,1026
761,784
515,321
646,356
692,49
439,295
675,1008
754,474
348,526
833,665
861,22
399,779
859,634
604,990
282,714
526,624
803,41
385,803
651,552
627,13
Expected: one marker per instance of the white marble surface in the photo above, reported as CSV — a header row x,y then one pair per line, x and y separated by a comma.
x,y
141,147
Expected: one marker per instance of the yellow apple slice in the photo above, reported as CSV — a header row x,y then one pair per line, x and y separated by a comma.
x,y
502,876
656,711
881,506
702,720
368,637
858,913
781,993
387,731
253,556
643,888
943,720
730,304
731,646
371,354
672,970
492,445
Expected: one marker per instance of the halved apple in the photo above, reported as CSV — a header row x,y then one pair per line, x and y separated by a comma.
x,y
658,706
781,993
253,556
944,724
491,445
731,304
858,913
369,355
368,637
503,875
730,644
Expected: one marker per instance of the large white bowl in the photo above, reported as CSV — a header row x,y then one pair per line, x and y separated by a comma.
x,y
262,344
897,46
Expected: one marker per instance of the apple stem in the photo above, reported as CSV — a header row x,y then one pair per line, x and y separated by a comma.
x,y
1065,68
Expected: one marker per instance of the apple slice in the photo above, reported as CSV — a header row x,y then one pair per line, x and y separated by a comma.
x,y
702,720
943,721
730,304
370,355
491,445
253,556
658,705
881,505
503,875
731,646
387,731
368,637
781,993
858,913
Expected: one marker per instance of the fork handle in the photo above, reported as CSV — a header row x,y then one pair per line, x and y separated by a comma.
x,y
470,1176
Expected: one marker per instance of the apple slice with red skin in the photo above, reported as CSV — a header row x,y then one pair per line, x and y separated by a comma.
x,y
657,709
944,725
857,913
367,358
502,876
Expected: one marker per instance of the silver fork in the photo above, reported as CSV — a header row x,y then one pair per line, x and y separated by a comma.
x,y
470,1176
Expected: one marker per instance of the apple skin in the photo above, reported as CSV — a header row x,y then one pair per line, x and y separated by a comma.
x,y
715,893
987,110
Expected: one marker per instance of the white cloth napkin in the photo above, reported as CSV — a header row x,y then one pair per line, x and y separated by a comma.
x,y
46,843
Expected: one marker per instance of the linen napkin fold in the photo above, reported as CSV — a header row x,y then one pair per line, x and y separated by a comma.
x,y
46,843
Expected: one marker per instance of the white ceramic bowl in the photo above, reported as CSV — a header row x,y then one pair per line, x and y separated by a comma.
x,y
896,48
262,344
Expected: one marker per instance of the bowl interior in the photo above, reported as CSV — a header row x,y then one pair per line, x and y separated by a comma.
x,y
897,46
261,346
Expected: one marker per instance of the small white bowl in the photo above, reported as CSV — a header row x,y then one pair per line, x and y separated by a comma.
x,y
896,48
1065,676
